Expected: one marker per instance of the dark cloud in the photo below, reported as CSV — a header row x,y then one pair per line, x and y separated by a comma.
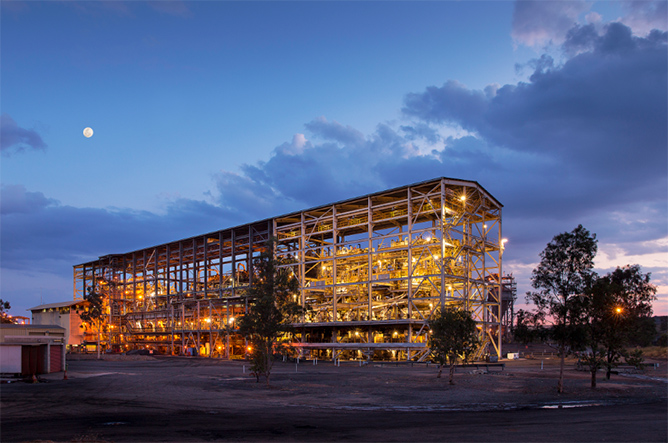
x,y
16,200
14,138
580,39
465,106
600,117
583,141
39,234
421,131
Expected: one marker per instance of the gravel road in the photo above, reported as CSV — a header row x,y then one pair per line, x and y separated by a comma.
x,y
176,399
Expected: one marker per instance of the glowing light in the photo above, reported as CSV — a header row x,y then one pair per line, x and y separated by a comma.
x,y
619,309
88,132
462,198
249,349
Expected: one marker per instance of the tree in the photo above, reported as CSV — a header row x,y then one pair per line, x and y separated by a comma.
x,y
4,315
596,311
613,313
565,271
272,310
453,335
529,327
92,311
629,295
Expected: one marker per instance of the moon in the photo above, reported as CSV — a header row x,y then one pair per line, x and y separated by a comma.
x,y
88,132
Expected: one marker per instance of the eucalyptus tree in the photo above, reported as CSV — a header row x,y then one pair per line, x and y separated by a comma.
x,y
4,315
616,307
564,273
92,311
272,309
453,335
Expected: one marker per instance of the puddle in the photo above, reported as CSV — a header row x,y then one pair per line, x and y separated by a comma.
x,y
645,377
570,405
476,407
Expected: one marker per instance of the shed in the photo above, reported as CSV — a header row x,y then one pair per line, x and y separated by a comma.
x,y
31,349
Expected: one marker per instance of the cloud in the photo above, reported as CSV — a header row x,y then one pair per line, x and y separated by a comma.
x,y
39,234
335,131
582,141
14,138
644,16
538,23
600,118
16,200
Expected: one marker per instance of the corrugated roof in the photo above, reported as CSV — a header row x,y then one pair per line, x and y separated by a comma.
x,y
461,181
14,326
62,304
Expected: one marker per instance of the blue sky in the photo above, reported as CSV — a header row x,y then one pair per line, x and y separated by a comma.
x,y
210,114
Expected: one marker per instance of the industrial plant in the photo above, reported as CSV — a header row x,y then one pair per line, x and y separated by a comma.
x,y
373,270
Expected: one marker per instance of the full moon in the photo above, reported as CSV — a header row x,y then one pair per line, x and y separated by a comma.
x,y
88,132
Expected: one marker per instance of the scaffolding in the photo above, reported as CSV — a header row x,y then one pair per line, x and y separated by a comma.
x,y
372,270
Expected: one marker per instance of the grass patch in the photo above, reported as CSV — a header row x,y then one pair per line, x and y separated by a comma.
x,y
657,352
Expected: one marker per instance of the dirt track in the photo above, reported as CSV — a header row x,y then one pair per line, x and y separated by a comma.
x,y
190,399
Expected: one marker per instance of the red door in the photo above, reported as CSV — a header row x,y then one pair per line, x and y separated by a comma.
x,y
56,358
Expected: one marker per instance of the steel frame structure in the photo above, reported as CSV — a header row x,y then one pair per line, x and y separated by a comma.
x,y
373,271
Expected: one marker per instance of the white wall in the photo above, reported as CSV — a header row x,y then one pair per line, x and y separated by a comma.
x,y
70,321
10,359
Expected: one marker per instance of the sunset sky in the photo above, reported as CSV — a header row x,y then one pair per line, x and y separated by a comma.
x,y
210,114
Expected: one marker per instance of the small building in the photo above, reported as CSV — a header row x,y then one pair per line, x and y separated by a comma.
x,y
64,315
31,349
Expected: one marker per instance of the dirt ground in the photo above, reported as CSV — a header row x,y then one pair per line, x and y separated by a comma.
x,y
178,399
